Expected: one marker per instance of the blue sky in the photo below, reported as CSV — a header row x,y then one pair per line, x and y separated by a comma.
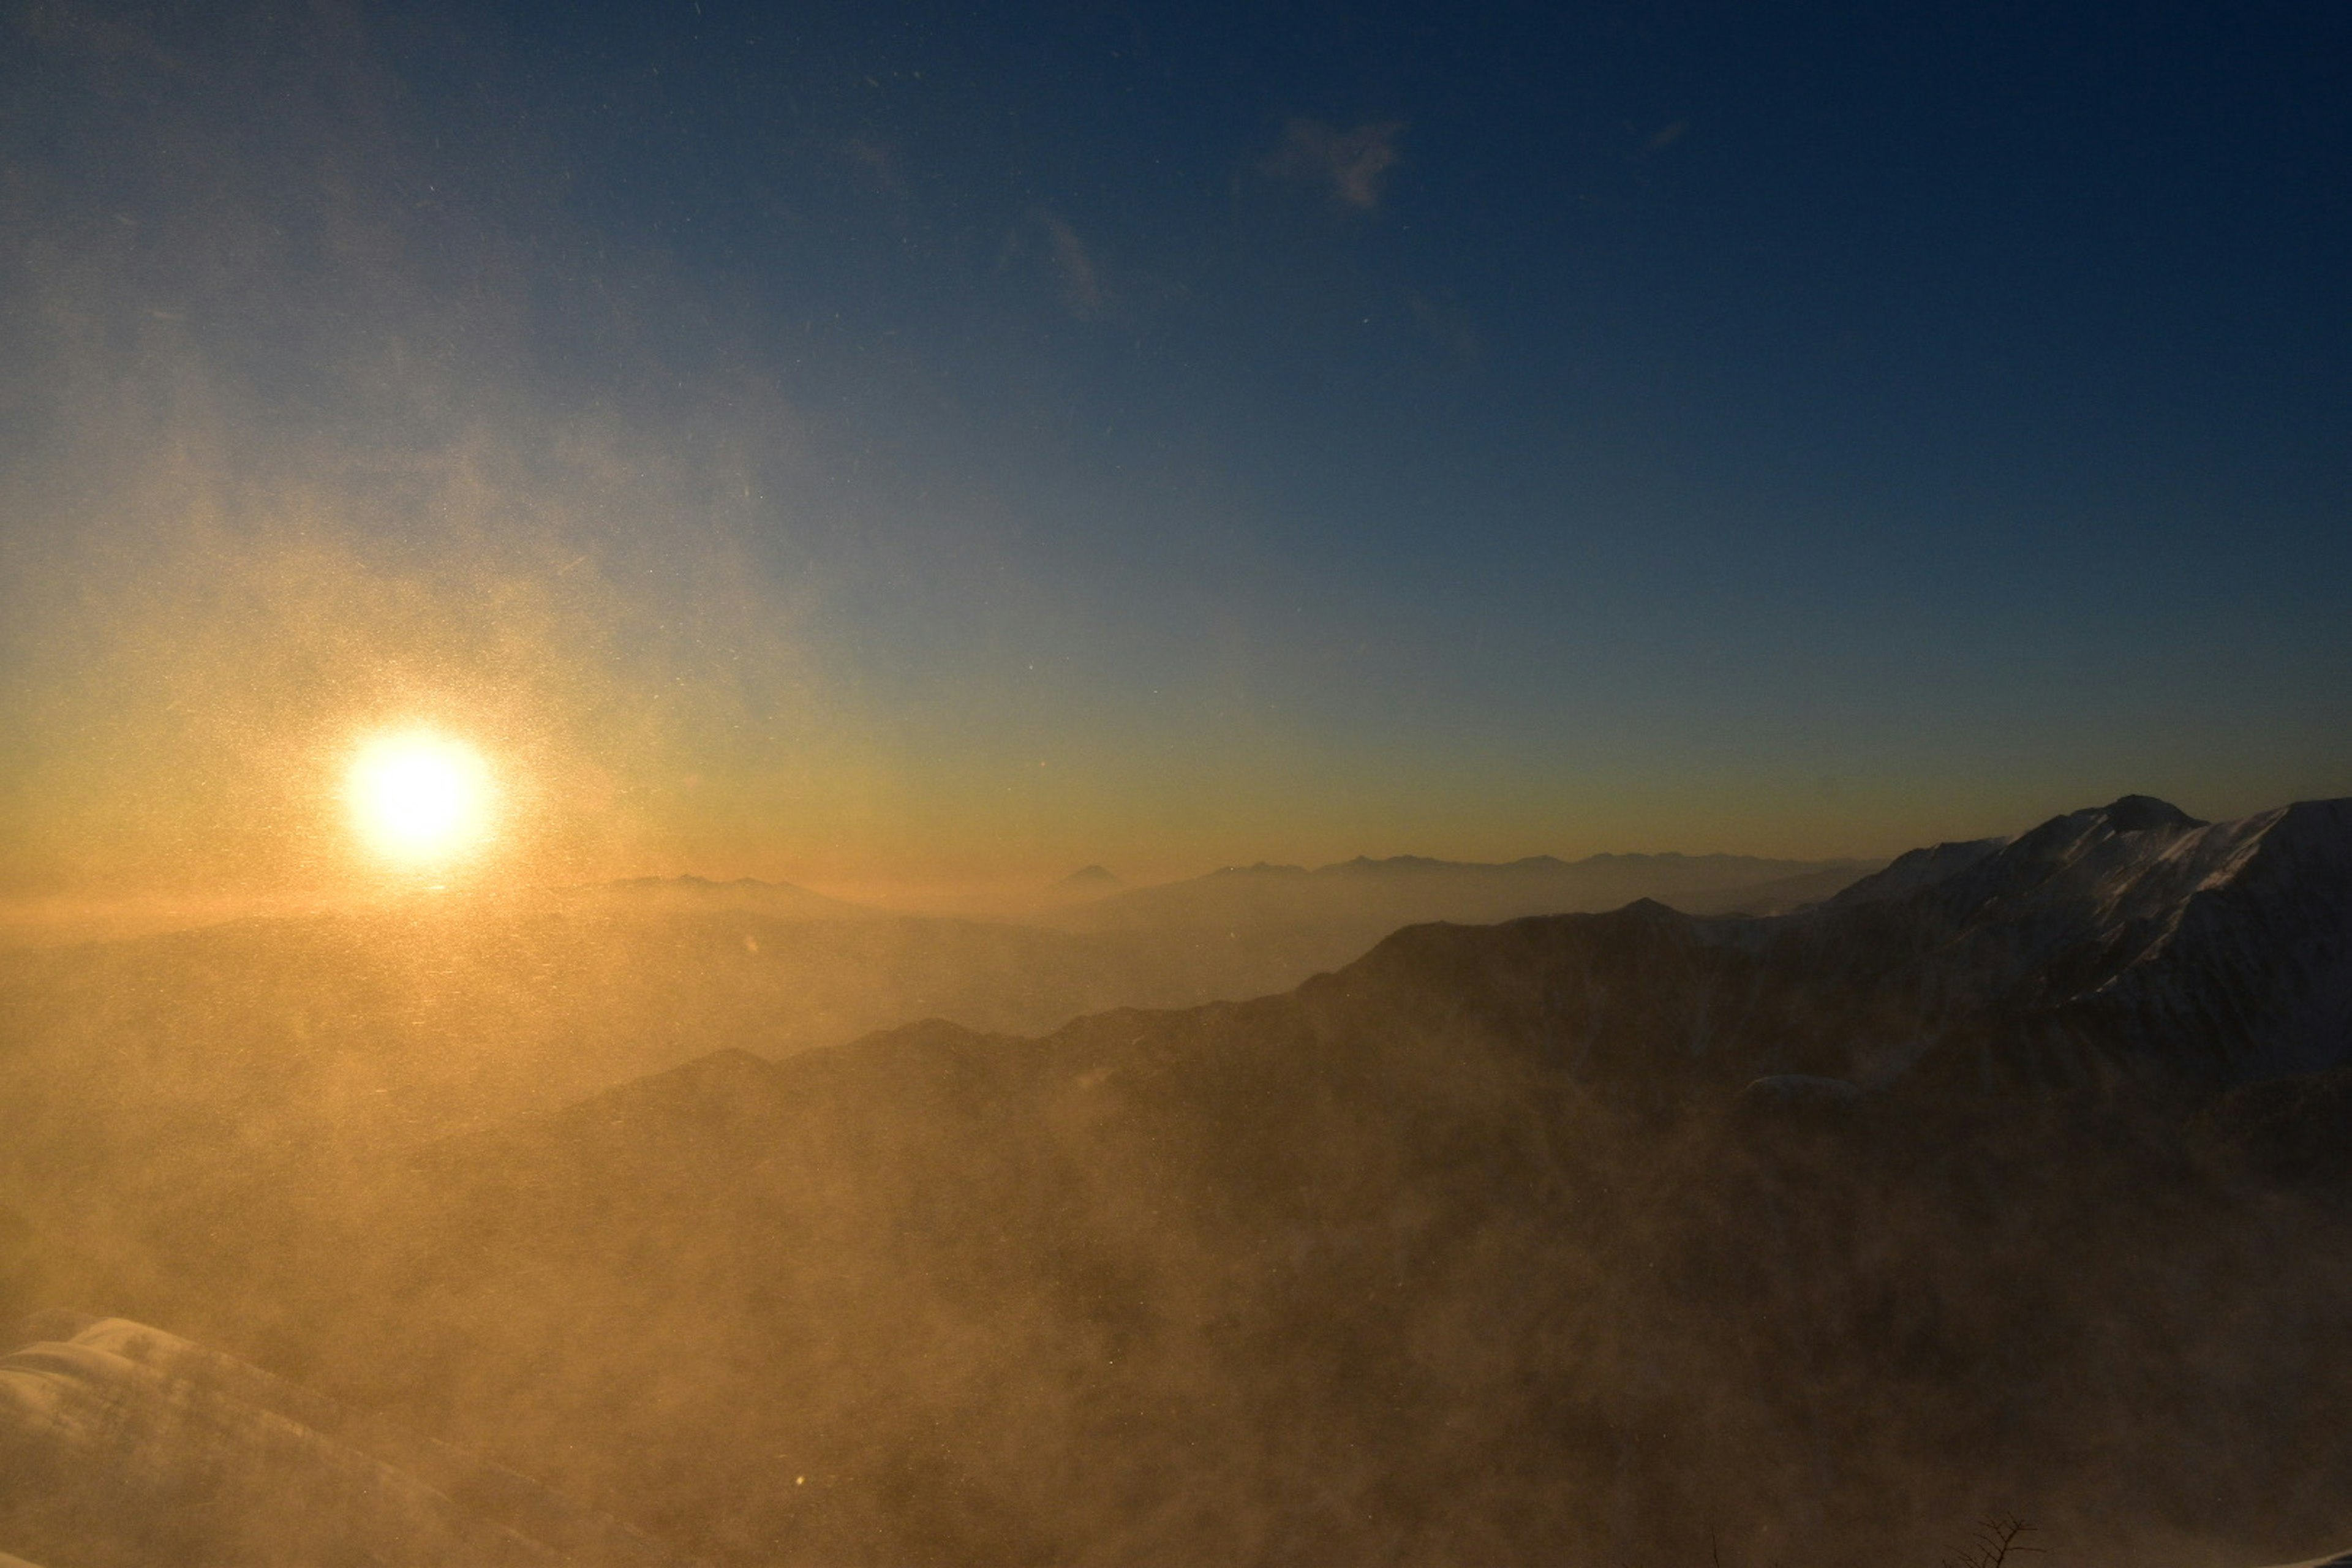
x,y
1172,435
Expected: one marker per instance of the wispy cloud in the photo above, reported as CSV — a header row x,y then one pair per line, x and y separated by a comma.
x,y
1351,165
1082,282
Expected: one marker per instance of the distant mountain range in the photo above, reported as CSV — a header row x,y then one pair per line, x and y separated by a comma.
x,y
2126,945
1365,890
1307,921
700,895
2009,1178
384,1025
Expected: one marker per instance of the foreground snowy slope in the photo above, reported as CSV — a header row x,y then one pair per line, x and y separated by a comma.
x,y
120,1444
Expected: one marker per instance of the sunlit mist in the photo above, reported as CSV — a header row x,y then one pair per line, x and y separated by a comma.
x,y
880,783
418,798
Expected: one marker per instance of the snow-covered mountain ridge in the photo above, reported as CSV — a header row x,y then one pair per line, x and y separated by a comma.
x,y
2135,928
2125,944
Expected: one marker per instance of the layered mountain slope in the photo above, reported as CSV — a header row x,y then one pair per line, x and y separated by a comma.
x,y
144,1066
1483,1249
159,1064
1475,1251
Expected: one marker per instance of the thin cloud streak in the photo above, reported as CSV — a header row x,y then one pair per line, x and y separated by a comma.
x,y
1353,165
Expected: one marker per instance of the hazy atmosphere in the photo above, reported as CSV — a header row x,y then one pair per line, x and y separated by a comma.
x,y
901,448
892,783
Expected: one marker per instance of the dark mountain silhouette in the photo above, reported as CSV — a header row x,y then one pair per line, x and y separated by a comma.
x,y
1630,1236
367,1030
1090,880
151,1063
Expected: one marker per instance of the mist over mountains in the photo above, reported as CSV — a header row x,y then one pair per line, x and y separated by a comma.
x,y
379,1026
2006,1179
1291,921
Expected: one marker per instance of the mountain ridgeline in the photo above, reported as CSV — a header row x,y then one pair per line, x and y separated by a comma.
x,y
2005,1179
329,1034
2130,948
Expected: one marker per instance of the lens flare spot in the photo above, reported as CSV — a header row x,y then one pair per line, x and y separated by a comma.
x,y
418,797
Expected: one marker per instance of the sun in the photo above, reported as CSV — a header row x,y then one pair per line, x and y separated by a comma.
x,y
419,798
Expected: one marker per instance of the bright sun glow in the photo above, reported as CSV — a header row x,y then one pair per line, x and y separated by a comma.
x,y
418,797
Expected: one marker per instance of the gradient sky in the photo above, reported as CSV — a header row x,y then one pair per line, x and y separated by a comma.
x,y
905,444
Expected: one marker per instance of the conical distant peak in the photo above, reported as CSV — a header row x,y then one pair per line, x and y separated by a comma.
x,y
2139,813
